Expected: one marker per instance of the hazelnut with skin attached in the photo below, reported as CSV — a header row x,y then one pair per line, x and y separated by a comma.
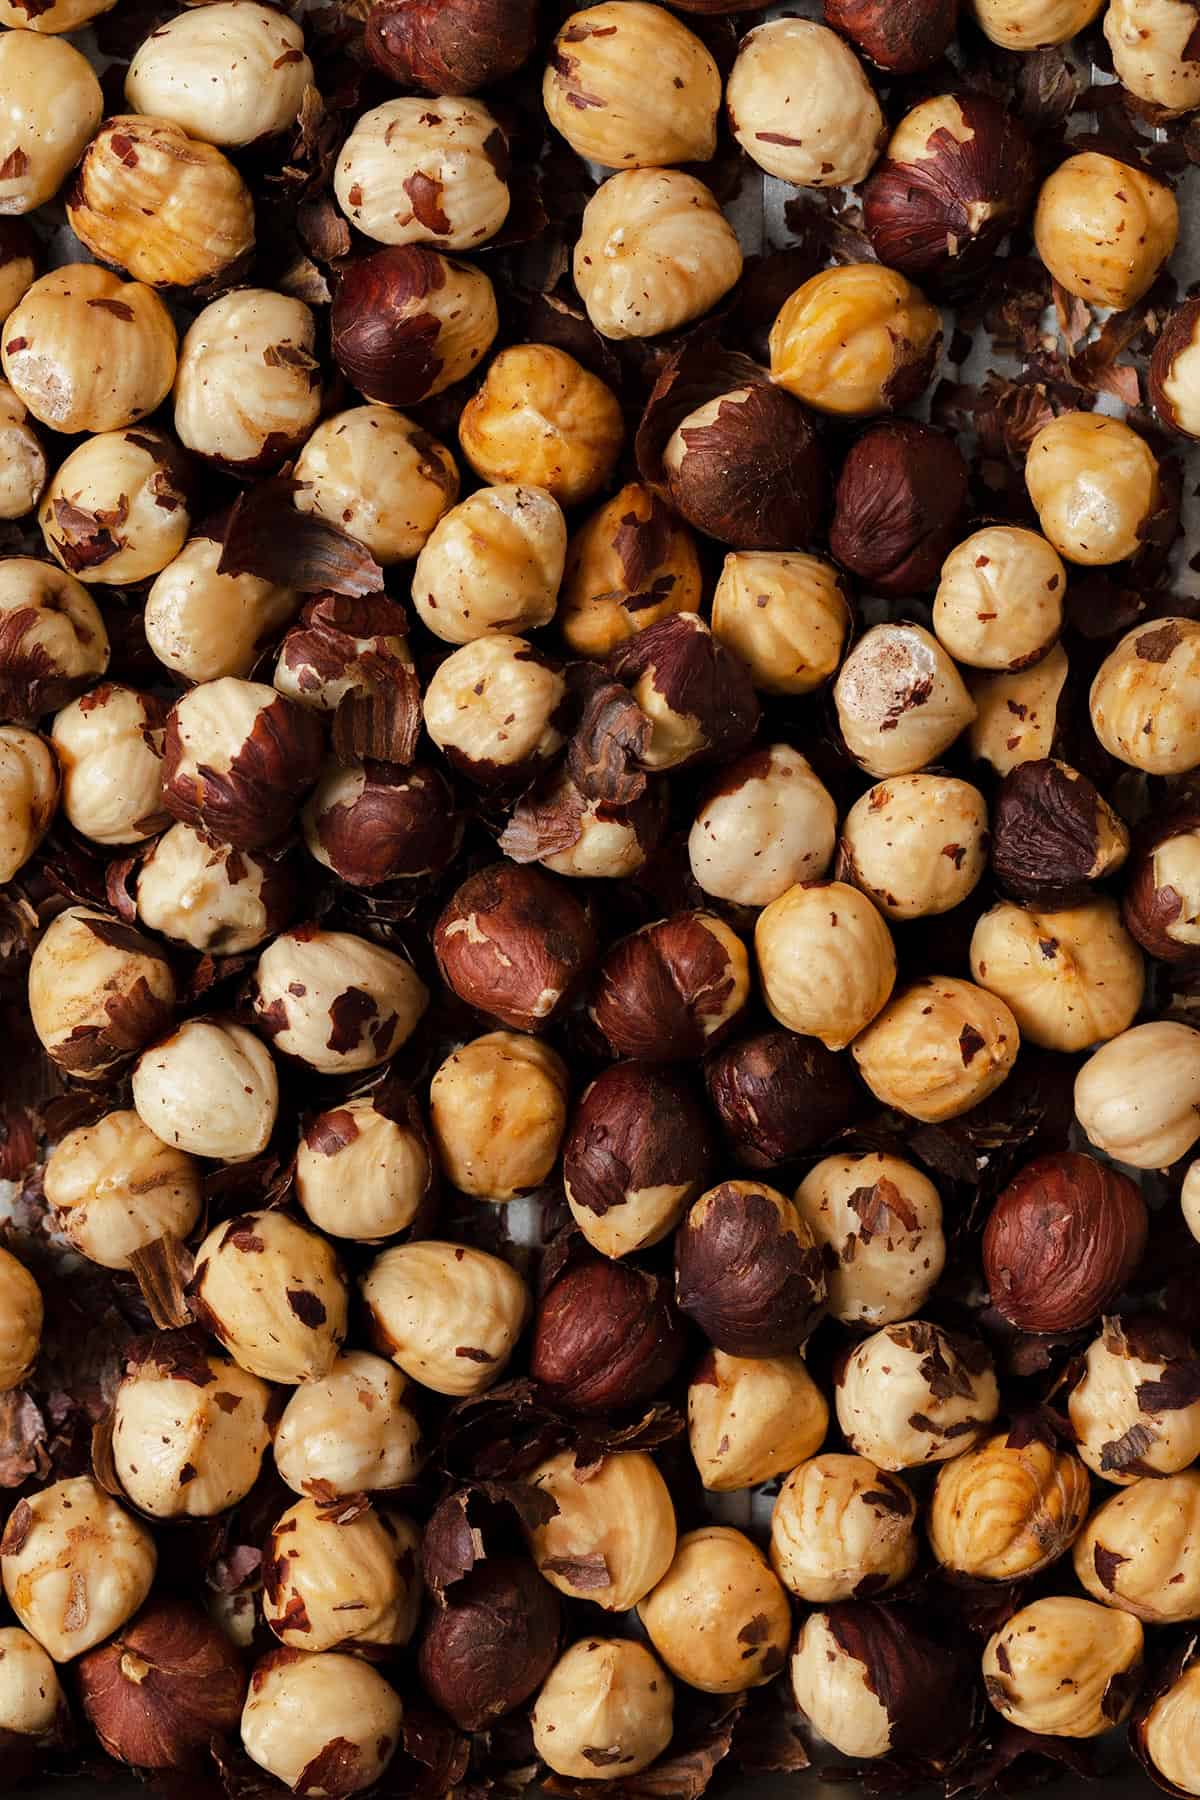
x,y
897,505
613,1536
1150,41
631,564
414,171
697,696
1094,484
202,624
842,1529
938,1048
1135,1410
870,1682
1072,978
856,340
514,943
109,745
752,1418
322,1724
56,644
248,386
605,1337
574,834
746,466
541,417
98,992
767,823
116,1188
492,564
407,322
29,789
748,1271
75,1565
878,1222
164,1688
719,1618
605,1709
342,645
376,821
1054,835
637,1152
900,701
116,509
23,466
1143,700
913,1394
365,1169
1008,1508
497,709
20,1321
1140,1551
19,257
1031,24
654,252
229,74
237,757
50,107
903,38
1062,1240
211,897
778,1094
379,477
1138,1096
491,1642
1175,368
1017,716
999,603
86,351
451,48
801,107
349,1431
33,1707
826,961
210,1089
673,989
338,1575
498,1110
448,1315
1064,1667
272,1293
596,91
917,844
335,1001
1164,1732
786,616
189,1430
1104,228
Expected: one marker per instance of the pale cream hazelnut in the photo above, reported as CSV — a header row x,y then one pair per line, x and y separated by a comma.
x,y
448,1315
879,1221
1138,1096
20,1321
999,602
116,1189
1189,1199
210,1089
23,466
32,1704
1140,1550
421,171
209,896
228,73
1094,483
496,708
109,746
56,642
341,1576
1170,1733
841,1527
1032,24
752,1418
335,1001
376,475
349,1431
1072,978
189,1432
1104,229
1122,1410
900,701
630,565
363,1169
75,1565
58,16
832,1689
768,822
202,624
855,340
1145,699
607,1705
826,961
1149,40
29,785
1055,1668
116,509
913,1394
498,1107
305,1710
542,418
784,614
613,1536
87,351
1007,1508
1016,716
272,1293
98,992
248,386
494,563
801,107
719,1618
50,104
596,92
917,844
654,252
939,1048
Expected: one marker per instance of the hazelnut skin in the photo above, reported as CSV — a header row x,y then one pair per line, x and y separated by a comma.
x,y
492,1642
51,105
897,504
494,563
248,386
913,1394
1133,1409
1172,375
376,822
342,646
999,603
938,1048
902,38
75,1565
870,1681
1026,1662
607,1704
57,644
365,1169
1026,25
514,943
1094,484
605,1337
189,1430
335,1002
571,833
163,1688
1062,1240
109,746
21,1316
315,1720
900,700
201,624
1054,835
98,992
613,1536
412,174
916,844
1144,696
1017,715
654,252
1138,1096
498,1107
778,1095
752,1418
801,107
841,1529
1150,42
1165,1727
719,1618
237,757
595,92
696,695
273,1294
341,1574
24,470
29,792
673,989
448,1315
33,1708
541,417
1104,228
826,961
116,509
211,897
1161,903
856,340
378,476
349,1431
745,467
407,322
1140,1551
767,823
637,1152
1008,1508
786,616
747,1270
451,49
629,565
497,709
1071,979
878,1223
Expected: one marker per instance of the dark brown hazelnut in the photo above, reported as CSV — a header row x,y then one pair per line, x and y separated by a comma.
x,y
237,757
897,506
406,322
871,1681
1053,835
900,35
378,822
1062,1240
159,1692
605,1337
673,989
492,1643
514,943
342,646
697,695
1172,375
779,1095
1161,907
451,46
748,1270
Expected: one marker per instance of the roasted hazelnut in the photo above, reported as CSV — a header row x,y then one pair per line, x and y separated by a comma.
x,y
379,477
407,323
878,1222
902,38
20,255
752,1418
1135,1409
248,387
323,1725
228,73
541,417
20,1321
335,1001
913,1394
778,1095
1164,1731
447,1314
632,564
164,1688
491,1643
767,823
1150,41
719,1618
897,505
454,48
1143,700
377,821
856,340
364,1169
349,1431
1064,1667
1062,1240
999,603
916,845
1189,1200
75,1565
498,1108
209,1089
23,467
32,1704
1094,483
497,709
841,1529
596,91
900,701
116,1189
786,616
419,172
605,1337
654,252
826,961
1138,1096
202,624
1072,977
237,757
746,467
58,16
574,834
938,1048
1017,716
168,209
189,1430
116,509
109,746
1008,1508
801,107
870,1681
1054,835
51,104
513,943
211,897
1032,24
747,1270
98,992
672,989
343,645
272,1293
607,1705
29,788
1172,375
492,564
696,695
1104,229
637,1152
341,1573
613,1536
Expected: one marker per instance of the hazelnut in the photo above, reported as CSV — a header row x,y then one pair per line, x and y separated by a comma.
x,y
1007,1509
637,1152
364,1169
747,1270
116,1189
778,1095
1017,716
349,1431
189,1430
613,1536
752,1418
999,603
914,1394
841,1529
938,1048
513,943
210,1089
1143,700
916,845
272,1293
856,340
1062,1240
1054,835
801,107
826,961
1163,1730
32,1704
375,822
1104,229
407,322
1138,1096
903,38
492,1642
379,477
1072,978
20,1321
57,16
341,1573
878,1222
574,834
606,1706
1189,1200
75,1565
672,989
335,1001
451,48
98,992
237,757
746,467
164,1688
1094,484
719,1618
767,823
605,1337
414,171
116,509
23,467
1150,41
498,1108
202,624
786,616
695,693
168,209
228,74
1033,24
109,746
492,564
596,91
324,1725
1172,374
343,645
29,785
20,254
1064,1667
1135,1409
631,564
900,701
870,1681
86,351
248,387
541,417
897,505
51,106
496,708
214,899
446,1314
654,252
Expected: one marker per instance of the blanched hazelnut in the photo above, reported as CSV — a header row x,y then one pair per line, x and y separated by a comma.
x,y
1135,1409
116,1188
637,1152
86,351
341,1574
189,1430
899,498
324,1725
914,1394
767,823
779,1095
51,104
55,641
900,701
1032,24
1104,229
343,645
237,757
513,943
752,1418
248,387
272,1293
856,340
1145,696
917,844
869,1681
1138,1096
596,94
417,171
574,834
57,16
1064,1667
407,322
349,1431
209,1089
1008,1508
613,1536
497,708
785,615
719,1618
654,252
447,1314
492,564
1061,1241
116,510
498,1109
1094,483
98,992
541,417
606,1706
109,746
801,107
1072,978
32,1704
165,1690
1054,835
211,897
379,477
168,209
826,961
335,1001
377,821
228,73
747,1270
75,1565
672,989
938,1049
1150,41
999,603
605,1337
842,1529
29,786
1016,716
879,1222
202,624
19,256
23,467
632,564
364,1168
1189,1200
1165,1729
20,1321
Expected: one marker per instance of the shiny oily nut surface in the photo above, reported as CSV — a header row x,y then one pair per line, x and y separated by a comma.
x,y
237,758
364,1169
801,106
494,563
446,1314
379,477
1149,41
416,171
1008,1508
209,1089
842,1528
75,1565
209,896
1064,1667
1140,1550
1031,24
785,615
747,1270
878,1222
1173,379
613,1537
116,510
541,417
855,340
637,1151
32,1704
496,708
498,1110
1017,715
21,1315
900,700
109,747
115,1188
335,1001
23,466
826,961
607,1704
1072,978
673,989
915,844
515,944
1165,1729
98,992
1125,1407
1094,484
1104,229
913,1394
938,1048
999,603
719,1618
1062,1240
29,791
654,252
595,92
304,1709
407,322
629,565
189,1431
341,1576
349,1430
50,104
767,823
228,73
1145,699
272,1293
248,386
870,1681
1138,1096
60,644
752,1418
201,624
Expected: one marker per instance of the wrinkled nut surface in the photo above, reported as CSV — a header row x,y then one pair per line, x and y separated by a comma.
x,y
170,1684
596,95
938,1048
1054,836
209,896
330,1579
778,1095
826,961
897,506
116,509
629,565
605,1338
23,466
407,322
1140,1551
785,615
273,1294
1145,696
900,700
768,823
856,340
1032,24
999,603
654,252
916,844
637,1151
446,1314
1064,1667
1150,41
305,1711
1017,716
115,1188
913,1394
1138,1096
498,1107
364,1169
109,747
59,643
747,1270
1132,1409
21,1315
189,1431
613,1536
75,1565
29,791
696,696
1104,228
248,386
412,172
51,105
496,708
673,989
379,477
228,73
842,1529
201,624
904,38
494,563
870,1681
1008,1508
1072,978
878,1221
338,646
719,1618
801,107
32,1704
514,943
543,418
335,1001
381,821
752,1418
1094,484
606,1705
98,992
349,1431
210,1089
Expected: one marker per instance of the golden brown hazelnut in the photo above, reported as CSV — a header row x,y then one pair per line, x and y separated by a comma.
x,y
1138,1096
407,322
19,257
1054,835
57,16
1132,1410
1064,1667
448,1315
1032,24
785,615
938,1048
748,1271
1164,1731
636,1154
1140,1551
498,1108
1189,1199
541,418
654,252
379,477
841,1529
630,565
51,106
228,73
1016,716
917,844
169,1686
1008,1508
1061,1241
23,466
98,992
340,1573
752,1418
878,1222
613,1536
202,624
719,1618
900,700
1144,698
497,708
211,897
416,171
999,603
248,386
869,1680
189,1430
596,91
349,1431
335,1001
75,1565
209,1089
33,1707
492,564
109,745
607,1705
856,340
515,944
116,510
826,961
767,823
364,1169
914,1394
801,107
1175,365
272,1293
1072,978
1104,228
343,645
381,821
605,1338
321,1723
237,757
29,786
20,1321
672,989
1094,483
1150,41
116,1188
